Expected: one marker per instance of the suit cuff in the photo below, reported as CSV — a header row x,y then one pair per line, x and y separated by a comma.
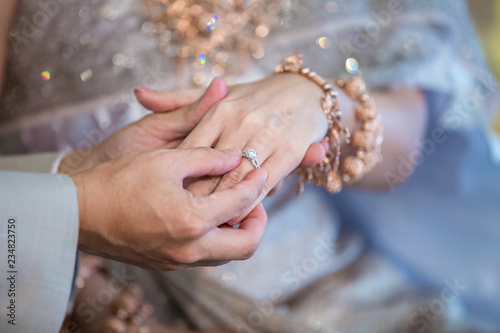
x,y
42,163
44,209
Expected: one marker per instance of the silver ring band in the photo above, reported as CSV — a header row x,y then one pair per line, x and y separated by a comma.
x,y
251,155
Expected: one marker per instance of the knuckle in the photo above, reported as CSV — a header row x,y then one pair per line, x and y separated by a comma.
x,y
250,121
206,154
187,256
233,177
203,186
189,112
250,251
188,144
190,226
267,187
289,145
188,231
222,108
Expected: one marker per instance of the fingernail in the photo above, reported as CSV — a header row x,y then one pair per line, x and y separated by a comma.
x,y
233,221
140,91
233,151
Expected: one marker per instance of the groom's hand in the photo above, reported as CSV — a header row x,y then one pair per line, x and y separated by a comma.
x,y
134,209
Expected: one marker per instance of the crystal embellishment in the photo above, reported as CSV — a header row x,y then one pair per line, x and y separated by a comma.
x,y
251,154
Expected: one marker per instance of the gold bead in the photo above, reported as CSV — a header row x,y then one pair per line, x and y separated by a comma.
x,y
363,140
334,183
355,87
305,71
366,111
353,166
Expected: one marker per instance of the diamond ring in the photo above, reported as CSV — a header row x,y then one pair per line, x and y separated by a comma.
x,y
251,155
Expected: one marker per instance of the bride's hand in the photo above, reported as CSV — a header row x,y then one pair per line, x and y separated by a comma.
x,y
279,117
175,114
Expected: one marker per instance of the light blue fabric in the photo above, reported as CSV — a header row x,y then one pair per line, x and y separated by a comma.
x,y
45,210
444,222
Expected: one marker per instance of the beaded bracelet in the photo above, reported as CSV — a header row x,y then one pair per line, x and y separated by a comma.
x,y
333,172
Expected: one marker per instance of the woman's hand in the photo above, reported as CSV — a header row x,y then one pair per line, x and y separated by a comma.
x,y
279,117
175,115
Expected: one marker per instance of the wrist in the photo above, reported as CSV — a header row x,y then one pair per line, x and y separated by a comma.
x,y
78,161
82,209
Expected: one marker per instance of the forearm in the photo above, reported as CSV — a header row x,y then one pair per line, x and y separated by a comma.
x,y
404,118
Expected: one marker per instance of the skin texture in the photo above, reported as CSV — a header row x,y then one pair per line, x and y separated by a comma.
x,y
177,115
245,114
135,210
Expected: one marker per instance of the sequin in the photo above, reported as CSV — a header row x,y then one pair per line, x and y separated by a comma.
x,y
262,31
122,60
324,42
109,13
199,78
203,59
84,11
351,65
229,277
85,39
211,22
331,7
45,75
147,26
222,59
86,75
217,70
118,59
14,31
194,29
67,52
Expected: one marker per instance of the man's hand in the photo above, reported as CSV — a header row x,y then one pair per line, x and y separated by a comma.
x,y
134,209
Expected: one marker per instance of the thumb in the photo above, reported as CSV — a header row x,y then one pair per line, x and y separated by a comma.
x,y
315,154
198,162
169,100
185,119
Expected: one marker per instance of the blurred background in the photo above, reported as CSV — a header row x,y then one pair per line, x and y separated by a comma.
x,y
486,16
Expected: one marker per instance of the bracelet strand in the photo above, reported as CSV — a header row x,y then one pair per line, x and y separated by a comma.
x,y
333,172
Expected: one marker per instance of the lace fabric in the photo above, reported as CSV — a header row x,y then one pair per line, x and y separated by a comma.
x,y
93,49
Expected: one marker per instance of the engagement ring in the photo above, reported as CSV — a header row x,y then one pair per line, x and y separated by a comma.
x,y
251,155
